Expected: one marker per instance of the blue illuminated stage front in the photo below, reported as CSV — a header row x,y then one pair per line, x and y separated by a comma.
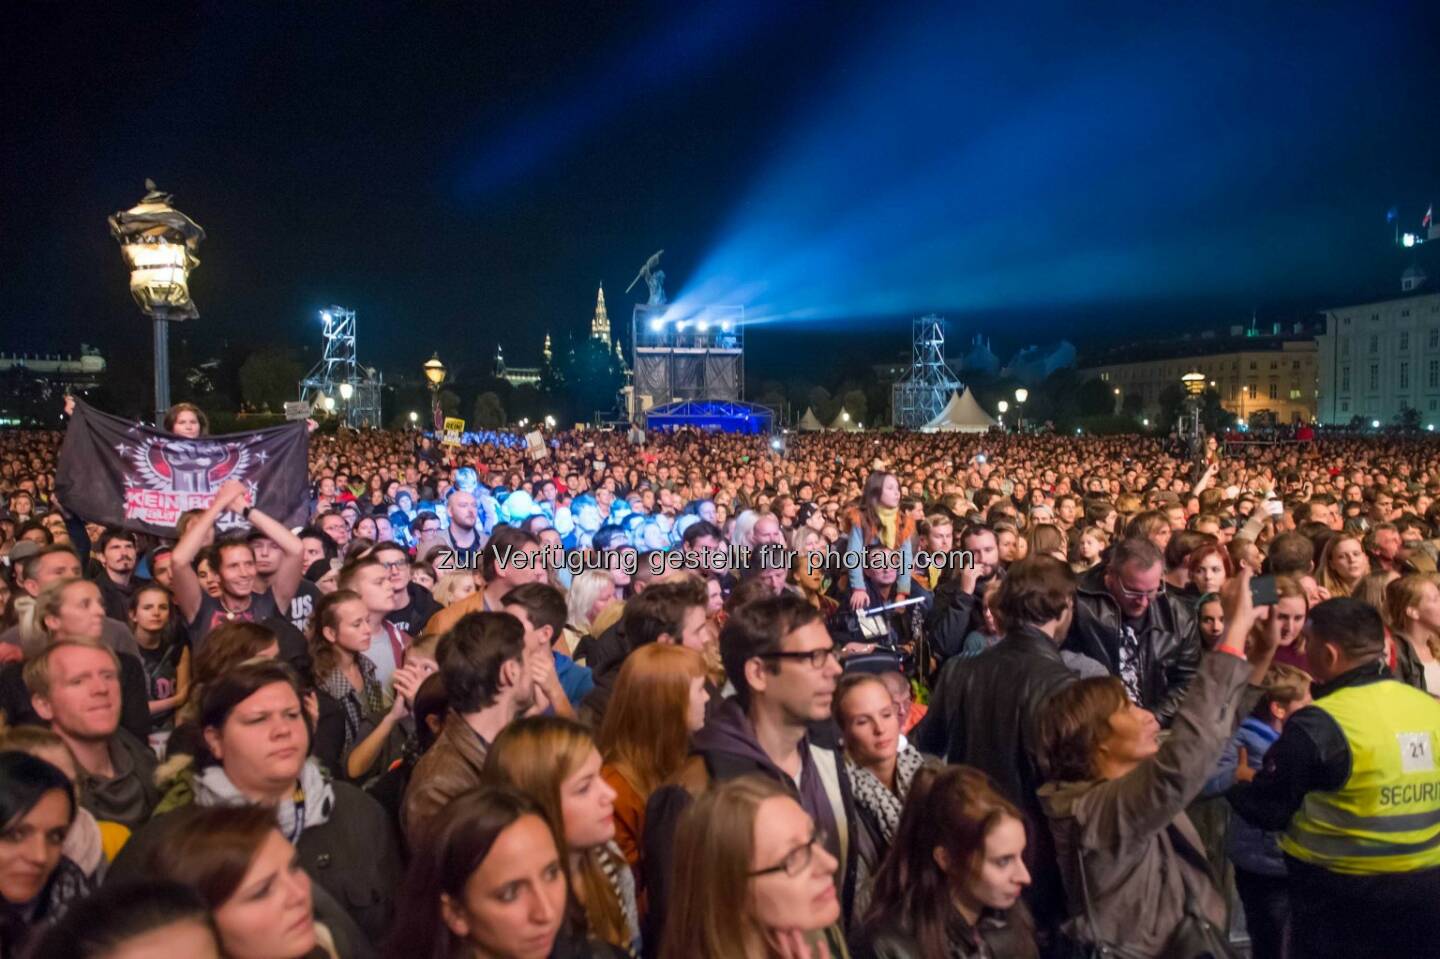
x,y
716,416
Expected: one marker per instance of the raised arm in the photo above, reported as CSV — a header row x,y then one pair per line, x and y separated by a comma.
x,y
287,577
1146,799
184,582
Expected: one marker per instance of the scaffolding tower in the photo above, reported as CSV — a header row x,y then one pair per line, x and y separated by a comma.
x,y
922,393
338,385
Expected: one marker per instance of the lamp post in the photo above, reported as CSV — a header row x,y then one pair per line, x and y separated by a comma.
x,y
1021,395
159,244
414,418
1002,406
347,390
1194,383
435,376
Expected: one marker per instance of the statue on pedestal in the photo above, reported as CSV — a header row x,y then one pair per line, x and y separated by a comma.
x,y
654,278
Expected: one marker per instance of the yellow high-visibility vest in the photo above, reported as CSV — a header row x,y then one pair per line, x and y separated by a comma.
x,y
1386,817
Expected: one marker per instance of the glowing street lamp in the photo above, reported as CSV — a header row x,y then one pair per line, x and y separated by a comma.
x,y
435,376
414,417
1002,406
550,422
1021,395
159,244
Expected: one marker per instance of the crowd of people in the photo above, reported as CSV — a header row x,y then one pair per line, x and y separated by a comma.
x,y
699,697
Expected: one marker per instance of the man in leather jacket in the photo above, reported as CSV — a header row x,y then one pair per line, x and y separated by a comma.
x,y
984,709
1125,621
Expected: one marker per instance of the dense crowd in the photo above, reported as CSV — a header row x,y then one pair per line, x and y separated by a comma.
x,y
696,695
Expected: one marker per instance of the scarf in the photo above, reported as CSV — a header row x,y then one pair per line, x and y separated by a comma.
x,y
84,846
367,702
888,516
310,805
873,796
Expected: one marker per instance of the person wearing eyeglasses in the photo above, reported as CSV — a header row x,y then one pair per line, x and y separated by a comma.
x,y
784,668
1126,621
760,880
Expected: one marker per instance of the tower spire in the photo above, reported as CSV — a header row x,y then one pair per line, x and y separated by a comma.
x,y
546,351
600,323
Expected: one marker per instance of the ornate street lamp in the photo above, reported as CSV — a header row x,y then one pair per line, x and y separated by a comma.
x,y
159,244
1194,383
1021,395
1002,406
435,376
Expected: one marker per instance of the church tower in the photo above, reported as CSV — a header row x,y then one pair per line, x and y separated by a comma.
x,y
546,351
600,324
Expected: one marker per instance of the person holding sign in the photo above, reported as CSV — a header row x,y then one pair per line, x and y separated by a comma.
x,y
236,562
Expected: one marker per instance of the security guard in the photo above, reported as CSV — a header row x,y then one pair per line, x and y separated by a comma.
x,y
1353,786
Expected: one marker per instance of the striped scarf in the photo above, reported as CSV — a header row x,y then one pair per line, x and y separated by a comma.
x,y
367,702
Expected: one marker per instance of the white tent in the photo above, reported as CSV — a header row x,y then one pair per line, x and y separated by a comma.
x,y
961,415
809,423
843,421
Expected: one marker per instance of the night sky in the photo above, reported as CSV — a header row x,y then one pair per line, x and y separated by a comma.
x,y
462,172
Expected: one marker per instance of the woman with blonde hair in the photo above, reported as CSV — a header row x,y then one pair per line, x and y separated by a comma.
x,y
808,551
454,586
1412,611
659,701
1371,590
1094,540
757,880
589,594
69,608
1342,564
554,761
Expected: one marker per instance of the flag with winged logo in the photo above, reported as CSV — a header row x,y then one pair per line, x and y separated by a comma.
x,y
124,473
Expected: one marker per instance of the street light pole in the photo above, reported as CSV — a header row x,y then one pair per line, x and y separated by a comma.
x,y
1194,383
162,365
435,376
159,244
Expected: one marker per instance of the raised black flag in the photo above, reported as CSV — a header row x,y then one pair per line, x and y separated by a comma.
x,y
123,473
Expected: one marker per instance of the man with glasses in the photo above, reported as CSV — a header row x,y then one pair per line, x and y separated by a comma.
x,y
1130,625
413,604
784,668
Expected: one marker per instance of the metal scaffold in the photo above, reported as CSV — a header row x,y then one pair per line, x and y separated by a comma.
x,y
338,385
922,393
